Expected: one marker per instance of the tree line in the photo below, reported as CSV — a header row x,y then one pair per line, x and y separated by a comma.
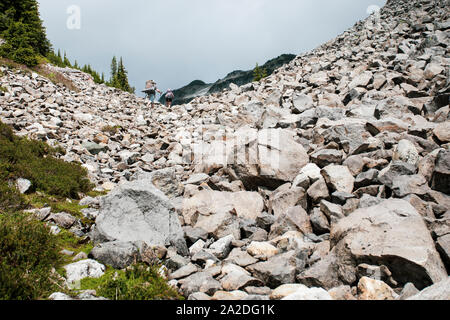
x,y
119,74
25,42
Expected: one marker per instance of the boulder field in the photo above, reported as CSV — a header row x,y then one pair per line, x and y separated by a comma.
x,y
328,179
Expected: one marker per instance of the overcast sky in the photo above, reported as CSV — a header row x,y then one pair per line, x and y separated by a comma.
x,y
177,41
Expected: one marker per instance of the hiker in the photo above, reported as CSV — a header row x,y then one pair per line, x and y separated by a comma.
x,y
169,98
150,91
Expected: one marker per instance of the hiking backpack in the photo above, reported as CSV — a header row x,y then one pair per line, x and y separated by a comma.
x,y
169,95
150,87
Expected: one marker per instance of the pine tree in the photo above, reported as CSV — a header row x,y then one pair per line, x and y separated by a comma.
x,y
259,73
122,77
23,31
66,61
17,46
113,68
54,59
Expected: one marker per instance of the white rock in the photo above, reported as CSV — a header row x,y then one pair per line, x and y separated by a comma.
x,y
309,294
286,290
222,247
84,269
262,249
371,289
23,185
406,151
59,296
339,178
197,247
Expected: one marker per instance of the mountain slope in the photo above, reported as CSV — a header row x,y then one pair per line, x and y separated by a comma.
x,y
199,88
331,174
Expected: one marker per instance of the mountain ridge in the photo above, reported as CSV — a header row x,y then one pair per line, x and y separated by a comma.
x,y
238,77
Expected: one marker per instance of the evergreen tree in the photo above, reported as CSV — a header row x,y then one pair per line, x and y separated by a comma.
x,y
113,69
55,59
66,61
259,73
122,78
23,31
119,77
17,45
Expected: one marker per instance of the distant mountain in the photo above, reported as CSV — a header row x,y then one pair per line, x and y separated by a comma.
x,y
199,88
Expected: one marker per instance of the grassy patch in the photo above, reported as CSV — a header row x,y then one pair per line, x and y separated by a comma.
x,y
68,241
2,89
39,200
55,77
36,161
112,130
95,194
139,282
10,64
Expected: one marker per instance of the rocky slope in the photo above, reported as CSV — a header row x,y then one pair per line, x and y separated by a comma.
x,y
199,88
327,180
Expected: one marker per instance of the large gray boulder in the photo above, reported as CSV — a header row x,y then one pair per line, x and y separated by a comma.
x,y
278,270
301,102
248,205
117,254
269,157
138,211
393,234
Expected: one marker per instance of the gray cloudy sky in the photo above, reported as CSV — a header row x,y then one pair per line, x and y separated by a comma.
x,y
177,41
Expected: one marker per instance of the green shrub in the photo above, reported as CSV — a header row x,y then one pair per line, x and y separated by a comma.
x,y
10,199
138,282
112,130
28,252
26,56
35,161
